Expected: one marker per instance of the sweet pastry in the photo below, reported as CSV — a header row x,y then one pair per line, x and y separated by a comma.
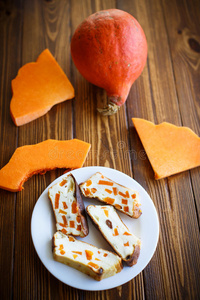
x,y
104,189
68,207
95,262
125,244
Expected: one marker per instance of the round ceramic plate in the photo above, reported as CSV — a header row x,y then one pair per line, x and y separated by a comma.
x,y
146,228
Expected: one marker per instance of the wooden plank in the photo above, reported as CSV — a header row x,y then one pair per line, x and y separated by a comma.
x,y
44,25
173,197
184,45
24,269
10,59
184,42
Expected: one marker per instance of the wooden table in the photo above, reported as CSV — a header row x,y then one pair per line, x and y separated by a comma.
x,y
167,90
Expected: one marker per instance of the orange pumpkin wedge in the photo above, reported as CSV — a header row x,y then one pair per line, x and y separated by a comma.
x,y
170,149
39,158
37,87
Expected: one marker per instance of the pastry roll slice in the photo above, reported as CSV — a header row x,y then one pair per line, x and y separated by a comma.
x,y
104,189
68,207
125,244
95,262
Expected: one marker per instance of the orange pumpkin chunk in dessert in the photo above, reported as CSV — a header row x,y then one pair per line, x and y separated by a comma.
x,y
62,212
39,158
115,232
63,182
126,244
37,87
106,212
77,252
108,191
57,197
109,200
88,183
64,219
93,265
170,149
89,254
105,182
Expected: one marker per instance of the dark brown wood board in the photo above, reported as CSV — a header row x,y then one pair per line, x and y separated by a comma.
x,y
168,90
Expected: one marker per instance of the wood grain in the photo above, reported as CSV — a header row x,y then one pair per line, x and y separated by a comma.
x,y
168,90
34,132
184,43
173,197
56,124
10,60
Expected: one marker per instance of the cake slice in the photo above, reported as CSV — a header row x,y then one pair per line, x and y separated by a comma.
x,y
115,232
104,189
95,262
68,207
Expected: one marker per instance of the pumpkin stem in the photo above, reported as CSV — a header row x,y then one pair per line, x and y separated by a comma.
x,y
109,110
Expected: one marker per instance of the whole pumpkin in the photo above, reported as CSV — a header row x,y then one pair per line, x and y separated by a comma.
x,y
109,49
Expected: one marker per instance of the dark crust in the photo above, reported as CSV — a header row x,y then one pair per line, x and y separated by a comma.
x,y
52,205
136,212
132,259
53,243
81,208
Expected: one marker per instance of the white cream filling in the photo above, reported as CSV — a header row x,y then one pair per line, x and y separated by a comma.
x,y
66,193
97,258
123,244
101,192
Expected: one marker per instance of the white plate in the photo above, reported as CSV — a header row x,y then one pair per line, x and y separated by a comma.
x,y
146,228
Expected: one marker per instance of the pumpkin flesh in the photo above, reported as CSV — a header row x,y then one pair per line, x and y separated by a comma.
x,y
170,149
39,158
37,87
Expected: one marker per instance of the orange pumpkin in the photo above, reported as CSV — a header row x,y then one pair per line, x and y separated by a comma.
x,y
37,87
39,158
109,49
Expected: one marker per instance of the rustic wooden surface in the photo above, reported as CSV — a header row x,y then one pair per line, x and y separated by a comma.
x,y
167,90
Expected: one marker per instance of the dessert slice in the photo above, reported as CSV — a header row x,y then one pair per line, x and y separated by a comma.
x,y
97,263
104,189
115,232
68,207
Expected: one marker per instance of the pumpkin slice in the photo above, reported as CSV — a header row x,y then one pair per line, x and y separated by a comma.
x,y
39,158
37,87
170,149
